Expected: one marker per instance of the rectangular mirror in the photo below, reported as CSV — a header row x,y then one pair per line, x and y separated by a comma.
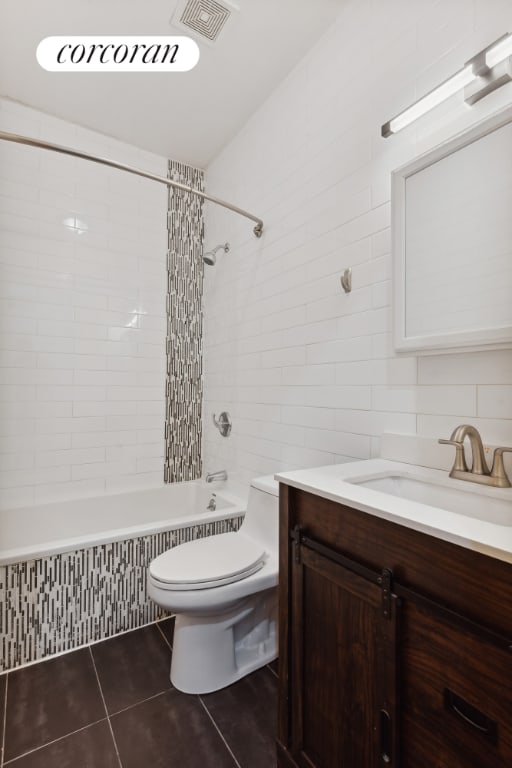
x,y
452,242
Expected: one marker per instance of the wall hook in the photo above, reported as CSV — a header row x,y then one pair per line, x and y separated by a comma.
x,y
223,423
346,280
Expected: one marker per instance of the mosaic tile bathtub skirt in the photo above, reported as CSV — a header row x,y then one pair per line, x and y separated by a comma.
x,y
67,600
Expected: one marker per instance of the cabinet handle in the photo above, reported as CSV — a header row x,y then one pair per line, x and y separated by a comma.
x,y
471,715
385,737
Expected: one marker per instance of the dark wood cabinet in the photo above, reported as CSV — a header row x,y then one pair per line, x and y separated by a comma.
x,y
395,646
339,679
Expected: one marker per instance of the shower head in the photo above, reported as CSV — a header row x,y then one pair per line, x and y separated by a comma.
x,y
210,257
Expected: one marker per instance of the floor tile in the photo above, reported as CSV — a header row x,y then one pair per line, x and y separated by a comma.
x,y
49,700
246,715
167,627
132,667
92,747
170,731
274,666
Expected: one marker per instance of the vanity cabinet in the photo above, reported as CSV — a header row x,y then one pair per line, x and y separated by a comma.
x,y
395,646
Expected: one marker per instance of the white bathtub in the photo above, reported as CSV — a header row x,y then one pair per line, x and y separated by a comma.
x,y
29,533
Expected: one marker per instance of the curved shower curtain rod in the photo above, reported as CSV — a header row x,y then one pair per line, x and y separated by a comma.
x,y
258,229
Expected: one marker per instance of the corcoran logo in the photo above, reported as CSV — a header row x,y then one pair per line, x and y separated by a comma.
x,y
117,54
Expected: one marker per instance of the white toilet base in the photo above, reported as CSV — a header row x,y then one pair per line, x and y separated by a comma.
x,y
214,650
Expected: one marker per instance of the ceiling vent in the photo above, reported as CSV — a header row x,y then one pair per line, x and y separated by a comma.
x,y
207,18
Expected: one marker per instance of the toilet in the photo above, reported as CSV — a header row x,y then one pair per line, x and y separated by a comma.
x,y
223,590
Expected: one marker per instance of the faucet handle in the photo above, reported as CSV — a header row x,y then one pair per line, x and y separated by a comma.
x,y
459,464
223,423
498,471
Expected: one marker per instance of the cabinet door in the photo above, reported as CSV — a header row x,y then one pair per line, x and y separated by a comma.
x,y
456,694
342,668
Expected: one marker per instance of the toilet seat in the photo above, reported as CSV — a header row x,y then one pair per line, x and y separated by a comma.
x,y
207,563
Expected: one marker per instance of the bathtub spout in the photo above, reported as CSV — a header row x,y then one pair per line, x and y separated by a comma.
x,y
220,475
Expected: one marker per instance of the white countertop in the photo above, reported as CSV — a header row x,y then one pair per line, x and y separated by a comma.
x,y
330,482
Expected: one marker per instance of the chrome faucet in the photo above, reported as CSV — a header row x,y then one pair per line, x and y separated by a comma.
x,y
220,475
479,472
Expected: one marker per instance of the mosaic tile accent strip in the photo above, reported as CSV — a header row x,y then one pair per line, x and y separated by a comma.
x,y
184,389
64,601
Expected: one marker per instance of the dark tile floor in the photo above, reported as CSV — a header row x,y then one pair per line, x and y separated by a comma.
x,y
112,706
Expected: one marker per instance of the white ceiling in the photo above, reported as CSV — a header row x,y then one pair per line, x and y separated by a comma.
x,y
186,116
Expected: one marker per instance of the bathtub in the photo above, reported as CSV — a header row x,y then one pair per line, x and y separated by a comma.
x,y
27,533
75,572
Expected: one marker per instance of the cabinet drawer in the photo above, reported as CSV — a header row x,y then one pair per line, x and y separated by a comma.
x,y
456,691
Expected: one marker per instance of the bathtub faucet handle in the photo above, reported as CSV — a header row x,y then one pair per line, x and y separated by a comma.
x,y
223,423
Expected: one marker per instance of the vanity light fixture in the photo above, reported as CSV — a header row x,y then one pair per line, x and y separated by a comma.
x,y
499,51
489,69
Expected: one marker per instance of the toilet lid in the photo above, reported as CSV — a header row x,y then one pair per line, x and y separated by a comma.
x,y
208,562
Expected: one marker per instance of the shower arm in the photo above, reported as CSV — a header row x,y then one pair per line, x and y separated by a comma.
x,y
16,138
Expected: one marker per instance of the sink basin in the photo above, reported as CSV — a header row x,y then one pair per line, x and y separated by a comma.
x,y
478,502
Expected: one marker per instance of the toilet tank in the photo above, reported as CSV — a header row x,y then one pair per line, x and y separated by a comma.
x,y
261,521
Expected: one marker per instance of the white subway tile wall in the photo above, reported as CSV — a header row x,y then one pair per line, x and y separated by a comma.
x,y
308,372
82,316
